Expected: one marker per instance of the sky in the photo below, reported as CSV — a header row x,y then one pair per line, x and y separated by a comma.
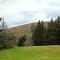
x,y
19,12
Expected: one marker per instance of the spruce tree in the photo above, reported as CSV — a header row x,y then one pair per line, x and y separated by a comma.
x,y
51,32
7,40
38,34
57,25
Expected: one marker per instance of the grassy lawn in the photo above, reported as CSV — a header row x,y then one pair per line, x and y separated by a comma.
x,y
31,53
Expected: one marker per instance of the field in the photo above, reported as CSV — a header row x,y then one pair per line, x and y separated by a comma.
x,y
31,53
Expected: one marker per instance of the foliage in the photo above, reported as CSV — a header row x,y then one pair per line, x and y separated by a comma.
x,y
7,40
47,36
38,35
21,40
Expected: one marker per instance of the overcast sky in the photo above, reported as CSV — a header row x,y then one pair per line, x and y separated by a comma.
x,y
18,12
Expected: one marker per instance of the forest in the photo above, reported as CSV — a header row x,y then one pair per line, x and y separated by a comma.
x,y
42,34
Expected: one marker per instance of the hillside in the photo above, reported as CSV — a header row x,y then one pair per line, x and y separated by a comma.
x,y
23,29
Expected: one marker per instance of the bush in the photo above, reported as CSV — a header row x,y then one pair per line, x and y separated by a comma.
x,y
21,40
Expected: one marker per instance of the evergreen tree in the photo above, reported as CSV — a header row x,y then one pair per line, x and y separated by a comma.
x,y
51,32
7,40
38,34
57,26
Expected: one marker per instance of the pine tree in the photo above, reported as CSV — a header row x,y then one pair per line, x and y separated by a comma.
x,y
38,34
51,32
57,25
7,40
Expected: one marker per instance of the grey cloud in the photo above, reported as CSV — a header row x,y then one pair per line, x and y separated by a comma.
x,y
50,8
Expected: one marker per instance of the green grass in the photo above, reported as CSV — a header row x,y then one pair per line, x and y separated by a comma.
x,y
31,53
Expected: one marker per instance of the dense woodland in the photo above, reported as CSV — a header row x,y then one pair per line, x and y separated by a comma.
x,y
41,34
49,35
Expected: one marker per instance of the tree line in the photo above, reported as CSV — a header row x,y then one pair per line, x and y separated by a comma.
x,y
49,35
42,34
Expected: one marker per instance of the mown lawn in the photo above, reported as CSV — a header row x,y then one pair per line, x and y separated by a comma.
x,y
31,53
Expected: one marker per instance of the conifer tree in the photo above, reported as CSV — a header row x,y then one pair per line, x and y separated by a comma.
x,y
57,26
38,34
51,32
